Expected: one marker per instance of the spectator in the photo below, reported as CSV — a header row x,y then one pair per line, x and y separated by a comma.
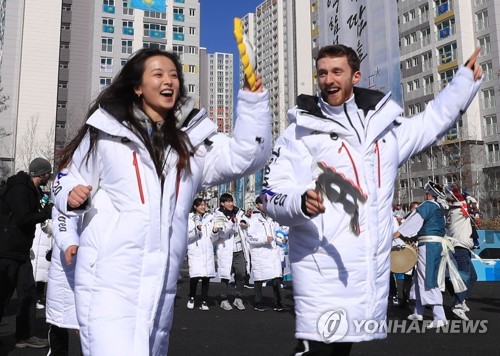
x,y
20,212
200,253
227,235
266,261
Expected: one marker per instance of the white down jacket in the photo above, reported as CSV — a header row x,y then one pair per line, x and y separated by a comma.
x,y
334,271
128,266
200,248
266,259
224,242
60,307
42,243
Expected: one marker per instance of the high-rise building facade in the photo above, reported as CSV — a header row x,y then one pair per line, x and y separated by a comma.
x,y
220,90
30,41
436,37
281,32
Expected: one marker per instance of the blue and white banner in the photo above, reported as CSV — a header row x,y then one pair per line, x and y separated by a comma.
x,y
149,5
370,28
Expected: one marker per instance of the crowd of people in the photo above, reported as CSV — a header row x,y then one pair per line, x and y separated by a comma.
x,y
124,215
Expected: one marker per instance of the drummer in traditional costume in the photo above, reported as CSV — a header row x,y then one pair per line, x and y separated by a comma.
x,y
428,224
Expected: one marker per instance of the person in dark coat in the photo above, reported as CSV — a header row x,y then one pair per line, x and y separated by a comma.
x,y
20,212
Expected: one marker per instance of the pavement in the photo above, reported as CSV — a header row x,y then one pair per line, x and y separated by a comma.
x,y
250,332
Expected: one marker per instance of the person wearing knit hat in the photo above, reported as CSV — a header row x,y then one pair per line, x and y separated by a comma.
x,y
40,171
20,212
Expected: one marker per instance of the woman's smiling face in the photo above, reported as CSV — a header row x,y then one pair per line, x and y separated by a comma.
x,y
159,88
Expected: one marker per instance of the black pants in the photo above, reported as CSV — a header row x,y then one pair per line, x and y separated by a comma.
x,y
58,341
393,286
193,283
276,290
18,275
238,266
315,348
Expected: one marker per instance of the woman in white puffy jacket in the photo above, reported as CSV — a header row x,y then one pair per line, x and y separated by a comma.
x,y
200,252
146,146
60,307
42,244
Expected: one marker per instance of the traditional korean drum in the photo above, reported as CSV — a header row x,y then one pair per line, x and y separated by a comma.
x,y
403,258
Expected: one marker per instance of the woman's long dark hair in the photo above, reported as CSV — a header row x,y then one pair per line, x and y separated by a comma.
x,y
119,99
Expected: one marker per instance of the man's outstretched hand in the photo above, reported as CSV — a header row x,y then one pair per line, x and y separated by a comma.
x,y
473,65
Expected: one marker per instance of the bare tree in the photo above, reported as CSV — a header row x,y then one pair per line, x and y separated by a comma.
x,y
27,148
3,101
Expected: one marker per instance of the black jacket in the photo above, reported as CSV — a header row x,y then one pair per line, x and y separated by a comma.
x,y
20,211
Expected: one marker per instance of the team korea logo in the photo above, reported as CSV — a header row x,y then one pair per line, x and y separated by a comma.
x,y
332,325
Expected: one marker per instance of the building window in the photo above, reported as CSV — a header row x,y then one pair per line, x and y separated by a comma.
x,y
108,25
482,20
128,28
127,46
493,153
192,31
447,76
191,88
179,50
66,7
192,12
106,65
154,30
154,45
65,26
487,70
64,45
108,2
123,62
191,68
62,104
155,15
60,124
63,84
104,82
127,10
63,65
485,44
448,53
488,98
490,125
446,28
107,44
192,50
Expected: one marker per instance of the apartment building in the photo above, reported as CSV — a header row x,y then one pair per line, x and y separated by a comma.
x,y
30,40
436,37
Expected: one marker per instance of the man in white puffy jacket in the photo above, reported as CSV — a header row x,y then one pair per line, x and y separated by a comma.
x,y
340,269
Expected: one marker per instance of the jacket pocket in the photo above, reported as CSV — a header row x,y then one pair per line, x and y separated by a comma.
x,y
138,176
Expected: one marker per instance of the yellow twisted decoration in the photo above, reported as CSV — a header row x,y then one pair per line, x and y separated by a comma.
x,y
247,54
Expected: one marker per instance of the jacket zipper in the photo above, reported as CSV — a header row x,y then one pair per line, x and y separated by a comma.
x,y
352,162
350,122
138,176
377,151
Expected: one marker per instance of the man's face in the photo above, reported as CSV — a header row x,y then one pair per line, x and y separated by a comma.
x,y
44,179
336,79
228,205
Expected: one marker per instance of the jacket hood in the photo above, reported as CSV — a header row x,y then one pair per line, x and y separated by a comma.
x,y
20,178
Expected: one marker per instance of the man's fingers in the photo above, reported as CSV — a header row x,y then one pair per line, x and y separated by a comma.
x,y
70,251
473,58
